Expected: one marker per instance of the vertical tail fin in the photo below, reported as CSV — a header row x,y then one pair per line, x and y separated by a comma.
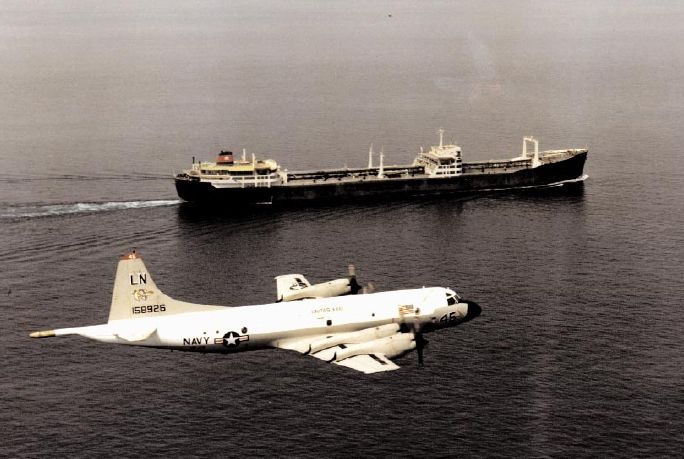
x,y
135,294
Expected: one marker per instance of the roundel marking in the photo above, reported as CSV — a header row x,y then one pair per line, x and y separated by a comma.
x,y
233,339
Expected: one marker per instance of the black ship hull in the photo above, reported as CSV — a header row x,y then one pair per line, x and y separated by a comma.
x,y
334,190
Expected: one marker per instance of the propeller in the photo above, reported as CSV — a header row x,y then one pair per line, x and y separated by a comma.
x,y
421,342
354,284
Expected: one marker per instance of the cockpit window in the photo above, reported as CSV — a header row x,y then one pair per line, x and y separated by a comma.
x,y
452,297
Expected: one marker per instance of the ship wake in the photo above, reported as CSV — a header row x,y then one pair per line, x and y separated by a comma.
x,y
581,178
51,210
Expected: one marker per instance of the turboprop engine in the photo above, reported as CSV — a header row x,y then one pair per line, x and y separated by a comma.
x,y
360,336
293,287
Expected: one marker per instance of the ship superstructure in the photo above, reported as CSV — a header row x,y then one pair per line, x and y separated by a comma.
x,y
442,160
226,172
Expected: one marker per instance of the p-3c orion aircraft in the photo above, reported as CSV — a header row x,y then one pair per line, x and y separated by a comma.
x,y
362,332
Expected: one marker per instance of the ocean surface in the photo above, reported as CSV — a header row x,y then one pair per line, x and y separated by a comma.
x,y
579,351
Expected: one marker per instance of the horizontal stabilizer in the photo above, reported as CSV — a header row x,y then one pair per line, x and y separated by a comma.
x,y
136,334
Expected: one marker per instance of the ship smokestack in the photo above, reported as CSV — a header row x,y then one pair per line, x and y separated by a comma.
x,y
226,157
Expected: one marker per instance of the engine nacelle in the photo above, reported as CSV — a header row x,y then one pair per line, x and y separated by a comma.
x,y
391,346
293,287
361,336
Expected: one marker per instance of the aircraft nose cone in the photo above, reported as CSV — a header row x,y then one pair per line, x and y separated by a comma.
x,y
474,310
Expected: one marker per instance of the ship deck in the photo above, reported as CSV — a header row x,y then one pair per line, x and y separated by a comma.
x,y
409,171
352,174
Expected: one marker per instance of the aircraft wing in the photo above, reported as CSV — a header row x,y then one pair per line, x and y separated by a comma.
x,y
368,363
368,350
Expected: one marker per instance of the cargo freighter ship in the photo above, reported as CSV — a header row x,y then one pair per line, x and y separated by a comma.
x,y
229,182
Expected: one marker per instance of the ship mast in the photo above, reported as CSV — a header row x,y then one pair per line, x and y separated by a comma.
x,y
381,170
535,158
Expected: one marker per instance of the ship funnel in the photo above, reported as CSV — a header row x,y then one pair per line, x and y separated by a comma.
x,y
225,157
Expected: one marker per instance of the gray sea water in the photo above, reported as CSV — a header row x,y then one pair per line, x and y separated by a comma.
x,y
579,348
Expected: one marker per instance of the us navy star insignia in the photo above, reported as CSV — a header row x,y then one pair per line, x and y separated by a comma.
x,y
231,339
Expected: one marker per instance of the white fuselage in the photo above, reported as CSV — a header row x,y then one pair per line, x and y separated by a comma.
x,y
260,326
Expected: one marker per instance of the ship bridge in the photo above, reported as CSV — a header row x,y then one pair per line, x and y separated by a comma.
x,y
442,160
